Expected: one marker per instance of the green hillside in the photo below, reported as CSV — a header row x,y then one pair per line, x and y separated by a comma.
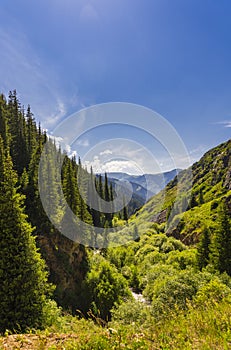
x,y
211,183
164,280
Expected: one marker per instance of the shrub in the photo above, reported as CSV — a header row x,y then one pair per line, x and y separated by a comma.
x,y
213,292
131,311
104,288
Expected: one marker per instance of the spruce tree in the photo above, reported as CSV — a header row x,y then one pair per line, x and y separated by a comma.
x,y
201,197
112,199
34,205
107,197
125,210
93,200
203,249
17,129
221,245
106,189
23,278
69,224
70,188
31,134
100,187
3,121
193,202
135,233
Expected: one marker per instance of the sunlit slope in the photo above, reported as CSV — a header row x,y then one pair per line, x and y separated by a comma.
x,y
211,182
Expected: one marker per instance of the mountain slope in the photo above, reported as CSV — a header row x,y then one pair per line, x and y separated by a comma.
x,y
137,195
211,183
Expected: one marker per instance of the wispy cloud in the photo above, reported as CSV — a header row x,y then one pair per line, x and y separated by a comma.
x,y
225,123
37,84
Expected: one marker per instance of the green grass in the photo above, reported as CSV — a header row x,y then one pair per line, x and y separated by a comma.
x,y
205,328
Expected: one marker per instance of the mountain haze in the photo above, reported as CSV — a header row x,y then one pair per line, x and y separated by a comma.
x,y
147,184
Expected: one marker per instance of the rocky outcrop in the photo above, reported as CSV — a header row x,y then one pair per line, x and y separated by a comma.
x,y
67,265
160,217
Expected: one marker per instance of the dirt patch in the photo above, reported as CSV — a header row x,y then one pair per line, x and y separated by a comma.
x,y
32,341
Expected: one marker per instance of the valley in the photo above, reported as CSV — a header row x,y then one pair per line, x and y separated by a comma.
x,y
144,280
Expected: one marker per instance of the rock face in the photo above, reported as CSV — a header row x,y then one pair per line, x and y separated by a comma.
x,y
160,217
227,181
67,264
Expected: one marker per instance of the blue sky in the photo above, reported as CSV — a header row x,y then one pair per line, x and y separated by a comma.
x,y
172,56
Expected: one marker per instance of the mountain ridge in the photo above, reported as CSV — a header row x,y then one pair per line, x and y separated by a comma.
x,y
211,184
150,183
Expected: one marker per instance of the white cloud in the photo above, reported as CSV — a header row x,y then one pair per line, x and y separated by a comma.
x,y
135,166
58,139
227,124
83,143
126,166
74,154
122,155
106,152
60,142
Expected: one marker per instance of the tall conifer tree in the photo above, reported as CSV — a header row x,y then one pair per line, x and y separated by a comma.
x,y
203,249
108,216
23,279
221,244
